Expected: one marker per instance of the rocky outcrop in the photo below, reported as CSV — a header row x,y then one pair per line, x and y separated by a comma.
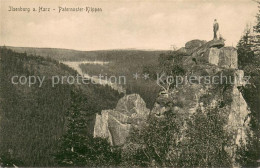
x,y
238,119
192,46
116,124
214,52
225,57
211,59
206,46
188,98
228,57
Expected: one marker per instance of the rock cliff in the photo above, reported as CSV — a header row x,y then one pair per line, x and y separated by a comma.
x,y
201,59
116,124
211,59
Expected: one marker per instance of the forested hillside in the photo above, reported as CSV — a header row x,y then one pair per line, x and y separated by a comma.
x,y
128,65
101,55
120,62
34,118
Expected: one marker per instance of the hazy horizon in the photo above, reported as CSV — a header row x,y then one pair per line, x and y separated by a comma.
x,y
141,25
86,50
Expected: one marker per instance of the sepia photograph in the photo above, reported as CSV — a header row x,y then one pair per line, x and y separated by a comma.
x,y
129,83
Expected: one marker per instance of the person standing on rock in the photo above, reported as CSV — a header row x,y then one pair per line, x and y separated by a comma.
x,y
215,29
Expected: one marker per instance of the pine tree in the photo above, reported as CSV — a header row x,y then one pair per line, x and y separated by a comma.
x,y
256,34
73,145
249,61
76,147
257,26
245,53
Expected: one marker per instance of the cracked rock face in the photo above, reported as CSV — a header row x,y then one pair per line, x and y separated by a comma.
x,y
212,52
116,124
212,59
225,57
193,45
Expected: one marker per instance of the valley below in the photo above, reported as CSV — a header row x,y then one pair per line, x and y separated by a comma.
x,y
130,123
76,66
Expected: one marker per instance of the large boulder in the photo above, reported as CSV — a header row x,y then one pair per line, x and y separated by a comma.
x,y
210,61
228,57
211,44
196,47
133,106
211,56
215,43
225,57
192,46
212,52
116,124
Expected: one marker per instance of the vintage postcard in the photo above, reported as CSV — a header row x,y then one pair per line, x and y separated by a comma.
x,y
129,83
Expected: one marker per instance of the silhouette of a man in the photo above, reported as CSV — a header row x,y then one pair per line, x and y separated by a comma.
x,y
215,29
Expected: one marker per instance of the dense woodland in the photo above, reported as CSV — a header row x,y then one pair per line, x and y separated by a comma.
x,y
32,118
100,55
249,61
128,65
121,62
52,126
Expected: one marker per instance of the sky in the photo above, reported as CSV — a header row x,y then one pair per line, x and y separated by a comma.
x,y
143,24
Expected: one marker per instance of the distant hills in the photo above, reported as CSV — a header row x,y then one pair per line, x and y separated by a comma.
x,y
76,55
121,62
